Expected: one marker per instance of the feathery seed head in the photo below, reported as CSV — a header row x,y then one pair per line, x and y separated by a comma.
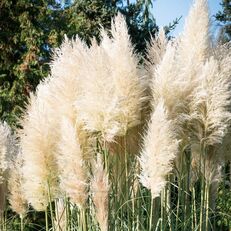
x,y
73,174
112,91
16,196
160,149
210,105
100,189
38,142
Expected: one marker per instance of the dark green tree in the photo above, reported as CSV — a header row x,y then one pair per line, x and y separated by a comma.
x,y
30,29
224,18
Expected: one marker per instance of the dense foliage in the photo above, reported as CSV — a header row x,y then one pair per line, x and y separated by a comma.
x,y
224,17
30,29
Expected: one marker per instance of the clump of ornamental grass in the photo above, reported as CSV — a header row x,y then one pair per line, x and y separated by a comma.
x,y
182,80
86,119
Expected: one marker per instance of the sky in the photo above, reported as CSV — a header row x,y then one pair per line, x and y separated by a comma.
x,y
165,11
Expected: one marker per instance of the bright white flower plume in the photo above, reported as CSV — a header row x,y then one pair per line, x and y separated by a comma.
x,y
73,174
160,149
112,90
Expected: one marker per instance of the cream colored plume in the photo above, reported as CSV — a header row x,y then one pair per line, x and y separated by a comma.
x,y
165,82
65,81
195,43
210,110
100,190
38,143
6,149
112,90
210,113
73,173
66,72
7,152
159,152
16,196
156,50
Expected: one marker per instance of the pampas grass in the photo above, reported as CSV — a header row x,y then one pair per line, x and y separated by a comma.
x,y
8,151
100,193
16,197
112,97
210,105
160,149
38,140
73,174
80,158
195,41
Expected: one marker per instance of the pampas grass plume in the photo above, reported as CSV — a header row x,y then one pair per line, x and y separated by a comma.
x,y
7,152
210,105
16,196
195,42
156,49
100,189
160,149
112,89
5,149
73,174
38,143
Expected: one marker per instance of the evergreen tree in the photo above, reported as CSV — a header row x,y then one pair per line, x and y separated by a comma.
x,y
30,29
224,17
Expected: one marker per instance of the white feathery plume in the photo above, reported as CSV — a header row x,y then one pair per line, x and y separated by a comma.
x,y
100,190
210,113
66,72
73,174
195,43
173,90
128,80
210,103
7,152
112,91
65,67
165,84
160,149
192,50
156,50
17,200
7,146
67,58
38,143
